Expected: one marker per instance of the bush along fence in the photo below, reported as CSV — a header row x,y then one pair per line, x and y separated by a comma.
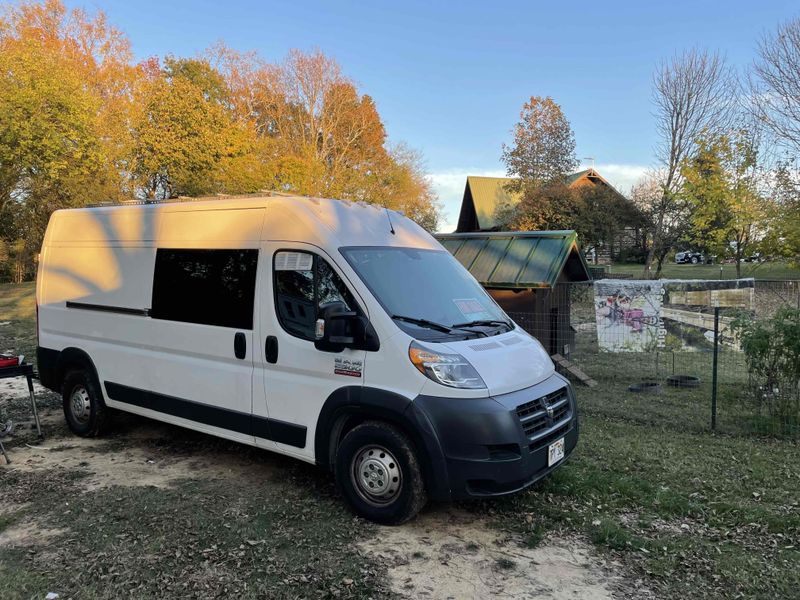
x,y
721,355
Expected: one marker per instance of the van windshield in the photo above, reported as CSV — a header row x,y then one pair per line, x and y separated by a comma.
x,y
427,292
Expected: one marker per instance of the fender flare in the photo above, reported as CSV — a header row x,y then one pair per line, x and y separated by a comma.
x,y
76,356
374,403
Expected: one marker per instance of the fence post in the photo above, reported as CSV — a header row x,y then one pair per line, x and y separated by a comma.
x,y
714,370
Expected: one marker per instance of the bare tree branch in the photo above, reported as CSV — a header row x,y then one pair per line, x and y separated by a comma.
x,y
775,84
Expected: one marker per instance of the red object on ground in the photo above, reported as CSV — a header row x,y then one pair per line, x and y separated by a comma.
x,y
9,361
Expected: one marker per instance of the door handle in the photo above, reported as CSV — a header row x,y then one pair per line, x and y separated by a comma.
x,y
239,345
271,349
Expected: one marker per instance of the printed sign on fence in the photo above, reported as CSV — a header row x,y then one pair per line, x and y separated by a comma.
x,y
648,315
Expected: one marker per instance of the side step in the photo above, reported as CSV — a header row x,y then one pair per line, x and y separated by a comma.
x,y
571,370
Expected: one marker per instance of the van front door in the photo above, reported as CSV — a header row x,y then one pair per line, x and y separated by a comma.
x,y
300,282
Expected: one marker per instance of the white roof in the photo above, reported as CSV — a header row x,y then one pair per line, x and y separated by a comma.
x,y
240,220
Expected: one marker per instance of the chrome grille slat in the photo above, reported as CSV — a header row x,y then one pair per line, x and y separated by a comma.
x,y
549,430
535,420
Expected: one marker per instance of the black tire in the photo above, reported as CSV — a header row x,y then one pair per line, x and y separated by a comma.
x,y
695,260
393,456
89,421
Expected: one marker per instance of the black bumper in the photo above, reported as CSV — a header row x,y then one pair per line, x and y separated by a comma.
x,y
499,445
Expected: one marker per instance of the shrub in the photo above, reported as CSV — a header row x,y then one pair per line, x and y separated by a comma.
x,y
772,350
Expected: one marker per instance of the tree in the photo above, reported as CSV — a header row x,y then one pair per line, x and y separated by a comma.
x,y
322,137
539,161
184,135
782,238
692,93
672,216
81,123
551,206
65,82
544,145
601,215
775,84
720,183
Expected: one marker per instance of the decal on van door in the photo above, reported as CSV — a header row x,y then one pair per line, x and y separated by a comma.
x,y
345,366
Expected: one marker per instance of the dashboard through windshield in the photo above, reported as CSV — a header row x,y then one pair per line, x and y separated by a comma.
x,y
427,292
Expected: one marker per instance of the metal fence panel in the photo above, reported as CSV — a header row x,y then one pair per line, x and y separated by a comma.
x,y
672,387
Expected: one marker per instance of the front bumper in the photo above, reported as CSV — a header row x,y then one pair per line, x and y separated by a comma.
x,y
499,445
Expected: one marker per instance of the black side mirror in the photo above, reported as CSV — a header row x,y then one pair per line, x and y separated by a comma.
x,y
338,330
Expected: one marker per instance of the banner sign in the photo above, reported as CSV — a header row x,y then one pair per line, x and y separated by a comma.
x,y
648,315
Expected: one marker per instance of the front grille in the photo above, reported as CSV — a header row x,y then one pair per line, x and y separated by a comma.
x,y
544,417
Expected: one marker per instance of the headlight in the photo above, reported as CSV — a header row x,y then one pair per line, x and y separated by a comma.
x,y
452,370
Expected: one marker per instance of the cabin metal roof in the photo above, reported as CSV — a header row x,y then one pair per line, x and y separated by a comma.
x,y
518,259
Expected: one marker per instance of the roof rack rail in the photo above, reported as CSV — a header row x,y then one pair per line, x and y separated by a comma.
x,y
179,199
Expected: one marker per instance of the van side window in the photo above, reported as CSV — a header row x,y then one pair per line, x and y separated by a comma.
x,y
305,285
211,287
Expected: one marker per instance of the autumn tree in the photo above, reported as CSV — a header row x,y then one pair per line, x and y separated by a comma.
x,y
543,151
720,183
65,82
186,141
323,137
692,94
540,158
81,123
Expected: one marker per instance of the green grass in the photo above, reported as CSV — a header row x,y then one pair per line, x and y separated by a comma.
x,y
766,270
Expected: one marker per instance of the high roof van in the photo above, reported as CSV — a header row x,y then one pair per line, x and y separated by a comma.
x,y
338,333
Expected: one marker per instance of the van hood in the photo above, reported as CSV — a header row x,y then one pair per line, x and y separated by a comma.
x,y
507,362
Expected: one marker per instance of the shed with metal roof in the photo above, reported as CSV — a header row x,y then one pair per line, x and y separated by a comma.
x,y
528,273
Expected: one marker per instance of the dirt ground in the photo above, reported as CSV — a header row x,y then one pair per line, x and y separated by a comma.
x,y
447,552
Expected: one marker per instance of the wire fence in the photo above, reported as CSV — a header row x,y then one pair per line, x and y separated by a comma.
x,y
684,375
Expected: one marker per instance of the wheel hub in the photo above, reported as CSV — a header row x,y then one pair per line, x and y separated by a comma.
x,y
80,404
376,475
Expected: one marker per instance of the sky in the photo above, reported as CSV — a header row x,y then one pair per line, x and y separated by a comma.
x,y
449,79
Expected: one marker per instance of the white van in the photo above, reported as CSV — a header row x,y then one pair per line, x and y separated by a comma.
x,y
336,332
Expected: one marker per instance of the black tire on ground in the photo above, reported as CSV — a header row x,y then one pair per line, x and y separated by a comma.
x,y
84,408
380,456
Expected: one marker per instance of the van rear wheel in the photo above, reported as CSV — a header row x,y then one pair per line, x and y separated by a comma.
x,y
84,408
377,471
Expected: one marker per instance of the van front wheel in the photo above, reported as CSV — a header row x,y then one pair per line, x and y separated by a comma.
x,y
84,408
377,471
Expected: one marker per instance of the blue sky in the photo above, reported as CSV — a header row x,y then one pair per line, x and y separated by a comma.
x,y
449,78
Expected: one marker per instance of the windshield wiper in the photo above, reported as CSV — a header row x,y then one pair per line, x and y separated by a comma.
x,y
483,322
423,323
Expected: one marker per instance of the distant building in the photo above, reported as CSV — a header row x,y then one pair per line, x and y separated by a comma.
x,y
482,196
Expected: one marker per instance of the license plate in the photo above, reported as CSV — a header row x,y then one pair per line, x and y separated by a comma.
x,y
555,452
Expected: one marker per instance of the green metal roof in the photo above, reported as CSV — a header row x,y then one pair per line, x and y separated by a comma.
x,y
518,259
490,192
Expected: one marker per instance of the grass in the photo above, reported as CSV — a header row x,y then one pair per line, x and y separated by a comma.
x,y
767,270
691,514
17,309
682,511
200,538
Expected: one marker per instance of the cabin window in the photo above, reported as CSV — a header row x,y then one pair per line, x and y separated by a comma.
x,y
209,287
305,285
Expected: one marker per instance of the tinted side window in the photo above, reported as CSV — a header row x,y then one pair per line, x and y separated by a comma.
x,y
304,286
212,287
